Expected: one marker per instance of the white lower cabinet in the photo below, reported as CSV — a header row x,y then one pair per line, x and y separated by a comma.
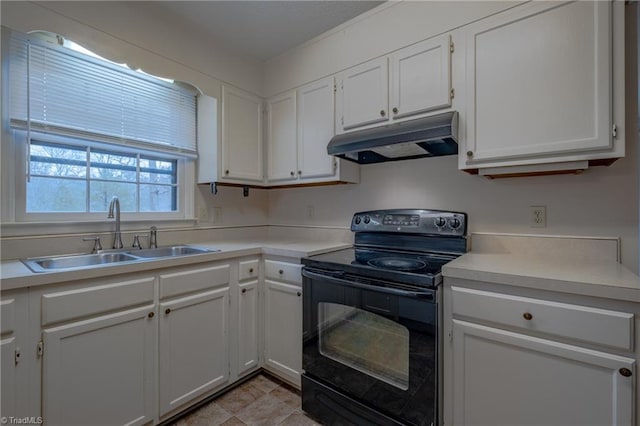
x,y
283,320
193,334
248,314
98,354
14,355
506,378
514,360
100,371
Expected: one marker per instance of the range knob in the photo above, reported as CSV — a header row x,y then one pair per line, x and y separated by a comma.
x,y
440,222
367,219
357,220
454,223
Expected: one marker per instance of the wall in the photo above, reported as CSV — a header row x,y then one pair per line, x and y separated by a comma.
x,y
601,202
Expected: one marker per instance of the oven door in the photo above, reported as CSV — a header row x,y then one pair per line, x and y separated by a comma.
x,y
369,350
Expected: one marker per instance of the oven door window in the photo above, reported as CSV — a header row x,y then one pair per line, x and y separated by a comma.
x,y
364,341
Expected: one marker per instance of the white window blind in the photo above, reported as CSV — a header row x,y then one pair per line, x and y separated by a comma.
x,y
56,90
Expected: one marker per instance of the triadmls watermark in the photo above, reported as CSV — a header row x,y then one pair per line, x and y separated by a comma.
x,y
27,420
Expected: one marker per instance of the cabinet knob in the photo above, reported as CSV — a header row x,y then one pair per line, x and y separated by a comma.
x,y
244,290
469,153
251,270
625,372
292,173
299,172
299,294
281,272
167,311
382,113
226,172
395,110
151,314
527,316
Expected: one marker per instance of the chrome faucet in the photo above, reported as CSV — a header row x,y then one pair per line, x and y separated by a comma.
x,y
153,237
117,236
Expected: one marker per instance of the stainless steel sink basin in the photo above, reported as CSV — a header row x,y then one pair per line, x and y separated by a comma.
x,y
170,251
77,262
84,261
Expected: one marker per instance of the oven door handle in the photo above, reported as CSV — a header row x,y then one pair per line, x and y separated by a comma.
x,y
426,294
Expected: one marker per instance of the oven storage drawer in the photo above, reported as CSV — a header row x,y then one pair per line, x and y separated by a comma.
x,y
283,271
598,326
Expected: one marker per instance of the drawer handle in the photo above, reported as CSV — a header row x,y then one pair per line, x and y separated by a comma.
x,y
299,294
167,311
527,316
625,372
244,290
251,270
281,272
151,315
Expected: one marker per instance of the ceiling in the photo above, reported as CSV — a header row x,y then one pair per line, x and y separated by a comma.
x,y
263,29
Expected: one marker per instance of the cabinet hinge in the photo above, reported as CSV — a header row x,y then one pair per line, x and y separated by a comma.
x,y
335,165
16,356
40,350
451,47
450,335
342,121
452,93
614,131
335,88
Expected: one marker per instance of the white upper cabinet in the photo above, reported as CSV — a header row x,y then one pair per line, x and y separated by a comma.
x,y
282,137
316,128
420,78
364,95
300,126
539,85
410,82
241,137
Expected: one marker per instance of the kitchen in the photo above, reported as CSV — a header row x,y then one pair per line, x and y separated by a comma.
x,y
601,203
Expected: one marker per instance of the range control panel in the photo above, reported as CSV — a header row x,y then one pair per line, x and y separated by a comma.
x,y
414,221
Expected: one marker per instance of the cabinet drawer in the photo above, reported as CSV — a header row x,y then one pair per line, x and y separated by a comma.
x,y
7,315
604,327
193,280
283,271
248,269
96,300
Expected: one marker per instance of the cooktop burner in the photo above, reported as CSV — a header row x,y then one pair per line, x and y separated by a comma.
x,y
397,263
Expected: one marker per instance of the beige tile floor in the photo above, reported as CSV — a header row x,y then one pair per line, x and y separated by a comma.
x,y
261,401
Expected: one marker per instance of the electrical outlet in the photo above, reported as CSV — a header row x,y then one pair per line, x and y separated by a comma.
x,y
538,216
217,214
310,212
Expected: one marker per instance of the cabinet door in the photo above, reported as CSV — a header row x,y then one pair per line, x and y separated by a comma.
x,y
506,378
241,136
247,327
283,330
194,347
101,370
539,82
364,95
8,348
316,107
282,137
421,77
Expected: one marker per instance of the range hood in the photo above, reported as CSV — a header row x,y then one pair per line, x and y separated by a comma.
x,y
424,137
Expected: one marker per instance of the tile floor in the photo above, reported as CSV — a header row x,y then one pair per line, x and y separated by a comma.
x,y
260,401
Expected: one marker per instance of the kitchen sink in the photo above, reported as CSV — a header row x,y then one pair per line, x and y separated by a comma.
x,y
84,261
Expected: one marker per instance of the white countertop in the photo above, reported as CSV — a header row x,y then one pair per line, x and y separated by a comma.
x,y
14,274
607,279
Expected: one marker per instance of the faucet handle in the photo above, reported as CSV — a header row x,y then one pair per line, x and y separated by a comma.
x,y
96,243
136,241
153,237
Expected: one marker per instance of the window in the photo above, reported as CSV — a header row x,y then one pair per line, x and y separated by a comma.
x,y
87,129
85,179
